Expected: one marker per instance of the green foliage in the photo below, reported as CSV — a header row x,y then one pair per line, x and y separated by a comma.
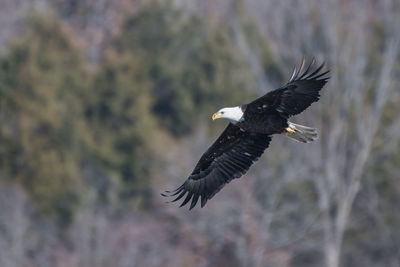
x,y
191,69
57,122
66,130
42,78
119,115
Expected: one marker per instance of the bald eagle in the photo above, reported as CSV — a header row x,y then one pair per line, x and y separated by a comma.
x,y
249,133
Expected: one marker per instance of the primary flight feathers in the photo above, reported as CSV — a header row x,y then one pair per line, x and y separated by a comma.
x,y
249,132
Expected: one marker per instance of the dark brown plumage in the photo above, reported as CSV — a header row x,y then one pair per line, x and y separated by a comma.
x,y
244,141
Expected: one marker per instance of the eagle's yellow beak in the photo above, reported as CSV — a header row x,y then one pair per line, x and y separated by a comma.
x,y
216,116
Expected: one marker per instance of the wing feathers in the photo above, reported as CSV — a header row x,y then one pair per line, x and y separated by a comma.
x,y
320,75
215,169
188,197
225,173
308,69
180,196
294,74
194,200
316,71
299,93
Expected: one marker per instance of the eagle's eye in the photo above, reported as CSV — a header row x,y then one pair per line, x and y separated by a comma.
x,y
222,112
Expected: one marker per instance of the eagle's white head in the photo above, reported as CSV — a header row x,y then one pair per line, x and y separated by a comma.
x,y
234,114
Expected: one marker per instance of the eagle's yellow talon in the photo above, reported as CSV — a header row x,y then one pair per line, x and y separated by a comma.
x,y
290,131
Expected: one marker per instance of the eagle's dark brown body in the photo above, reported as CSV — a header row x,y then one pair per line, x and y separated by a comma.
x,y
263,120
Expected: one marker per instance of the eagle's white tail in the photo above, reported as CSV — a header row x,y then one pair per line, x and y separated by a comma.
x,y
301,133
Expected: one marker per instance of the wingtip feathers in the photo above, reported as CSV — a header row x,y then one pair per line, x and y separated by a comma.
x,y
194,191
310,73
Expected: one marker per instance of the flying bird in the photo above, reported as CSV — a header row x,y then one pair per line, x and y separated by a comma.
x,y
249,133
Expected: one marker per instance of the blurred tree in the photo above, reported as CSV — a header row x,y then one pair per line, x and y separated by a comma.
x,y
255,48
42,80
191,68
363,56
118,112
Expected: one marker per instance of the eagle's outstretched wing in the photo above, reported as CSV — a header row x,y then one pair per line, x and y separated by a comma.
x,y
297,94
229,157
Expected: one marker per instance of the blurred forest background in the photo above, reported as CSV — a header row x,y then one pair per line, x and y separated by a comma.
x,y
106,103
